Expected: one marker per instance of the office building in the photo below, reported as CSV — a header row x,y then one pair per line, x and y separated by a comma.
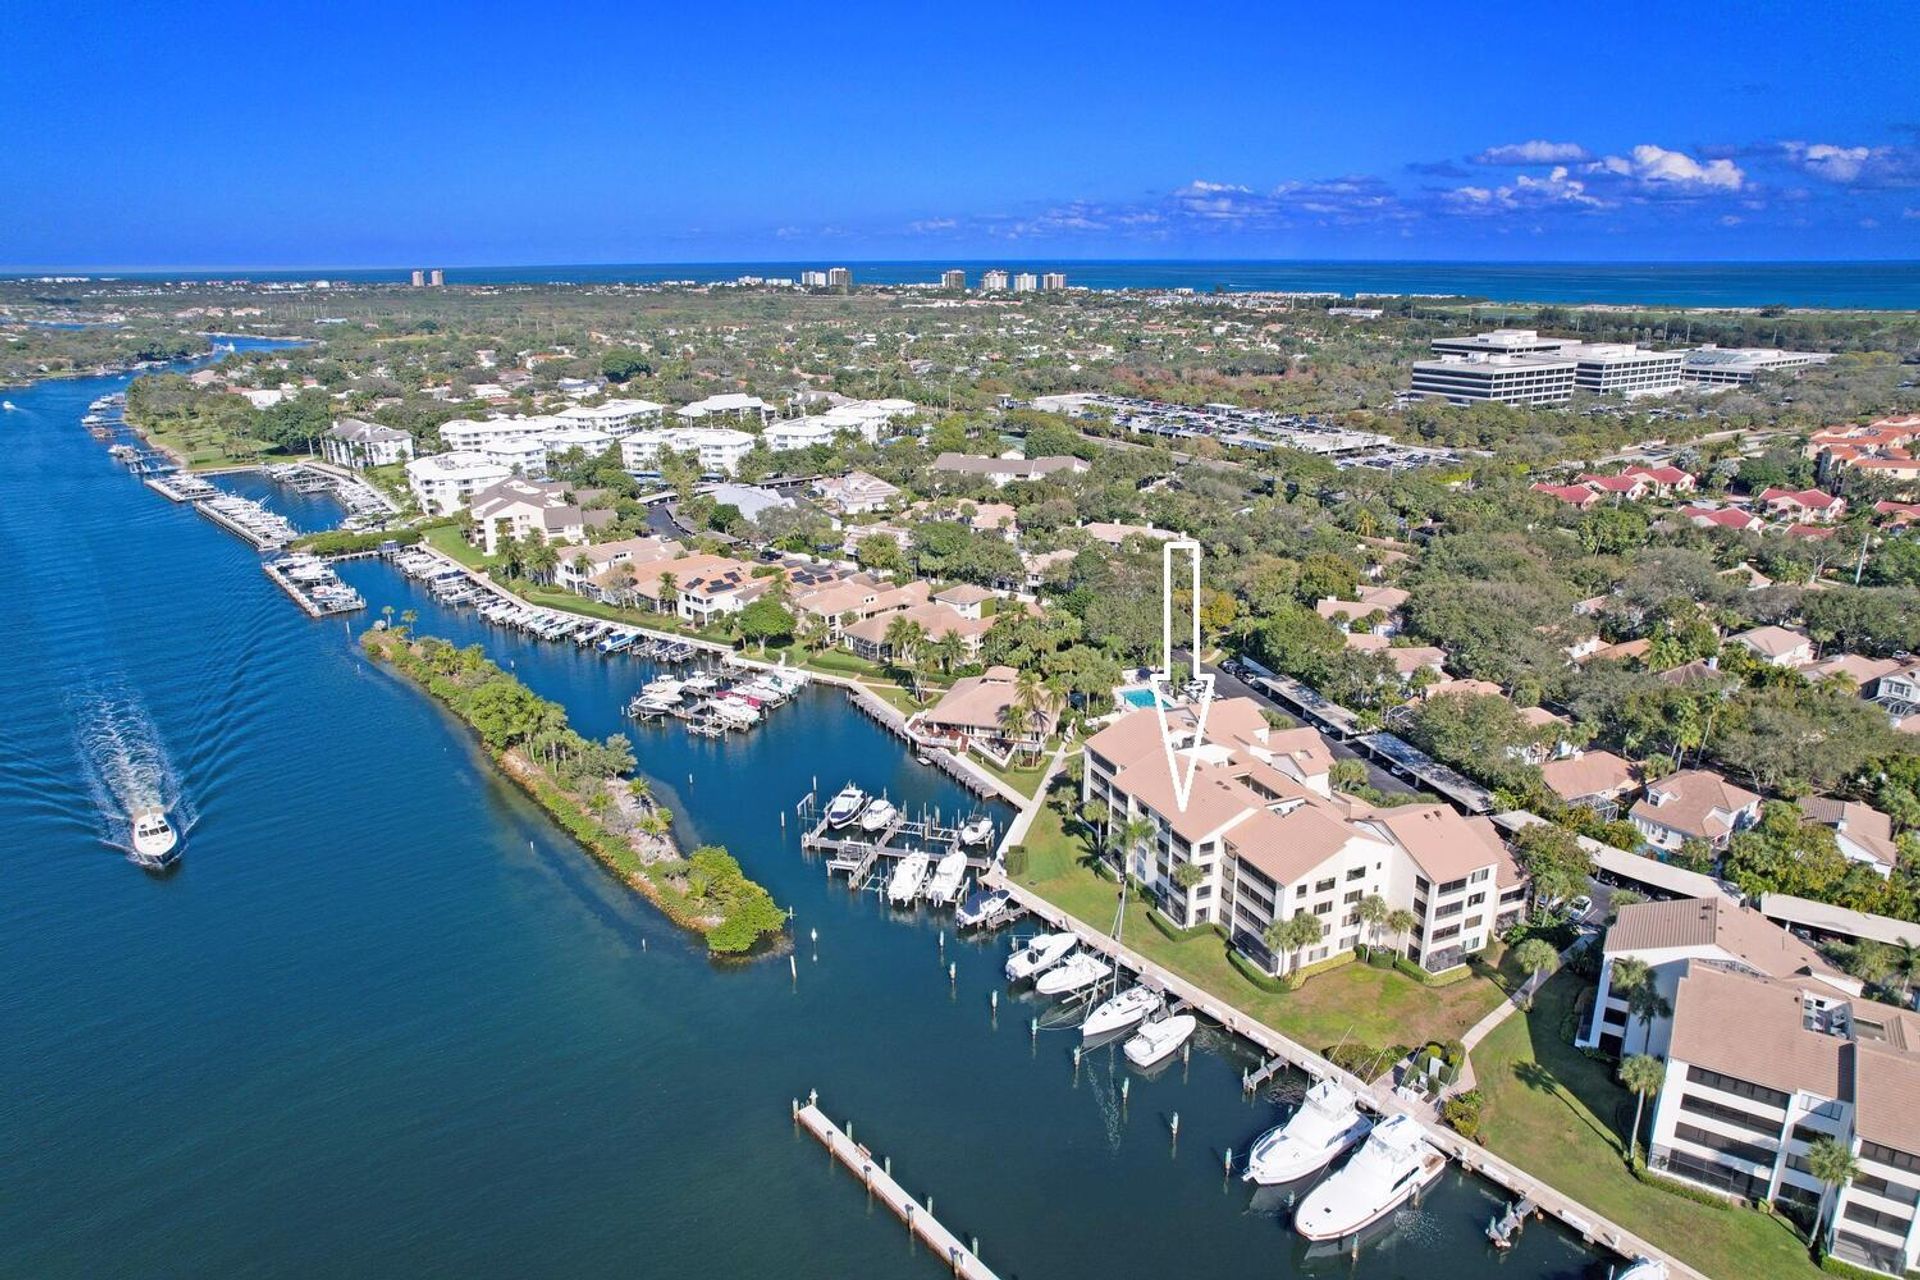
x,y
1712,366
1618,368
1507,379
953,279
1500,342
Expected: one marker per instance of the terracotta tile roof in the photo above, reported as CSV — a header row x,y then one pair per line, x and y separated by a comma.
x,y
1445,845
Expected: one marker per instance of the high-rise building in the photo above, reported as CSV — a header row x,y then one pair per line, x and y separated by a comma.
x,y
419,278
993,281
1053,280
438,279
1026,282
839,278
953,279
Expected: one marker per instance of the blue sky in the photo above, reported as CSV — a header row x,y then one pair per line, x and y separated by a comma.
x,y
353,134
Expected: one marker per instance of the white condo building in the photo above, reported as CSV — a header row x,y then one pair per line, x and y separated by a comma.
x,y
993,280
354,443
719,449
1026,282
615,416
442,482
731,404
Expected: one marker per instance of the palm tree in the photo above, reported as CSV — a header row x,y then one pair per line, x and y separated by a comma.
x,y
1127,837
1644,1074
1831,1161
408,617
1646,1003
1294,935
903,639
1400,922
948,650
669,592
1536,956
1374,912
1906,966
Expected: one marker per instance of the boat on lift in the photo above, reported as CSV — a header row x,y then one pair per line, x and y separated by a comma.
x,y
1644,1269
846,806
156,845
908,879
1076,973
1041,953
1395,1162
878,816
1327,1123
978,830
1159,1039
948,875
1120,1011
982,907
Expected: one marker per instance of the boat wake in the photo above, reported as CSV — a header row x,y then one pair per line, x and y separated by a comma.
x,y
127,767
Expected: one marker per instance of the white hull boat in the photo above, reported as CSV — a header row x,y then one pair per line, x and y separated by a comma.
x,y
981,906
948,875
1076,974
908,879
155,843
1327,1123
1120,1011
1040,954
878,816
1644,1269
1160,1039
977,831
1394,1163
846,806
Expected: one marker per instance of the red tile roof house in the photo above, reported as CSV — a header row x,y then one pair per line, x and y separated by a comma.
x,y
1630,487
1723,518
1381,600
1898,514
1575,495
1780,646
1804,504
1665,480
1694,804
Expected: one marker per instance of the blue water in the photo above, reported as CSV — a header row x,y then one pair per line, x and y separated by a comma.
x,y
385,1021
1139,697
1891,285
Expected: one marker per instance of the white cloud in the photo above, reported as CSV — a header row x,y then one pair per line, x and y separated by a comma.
x,y
1537,151
926,226
1730,220
1657,167
1910,213
1824,160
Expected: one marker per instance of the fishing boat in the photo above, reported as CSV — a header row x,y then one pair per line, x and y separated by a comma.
x,y
1159,1039
982,907
1076,973
8,405
1395,1162
948,875
846,806
908,879
978,830
1327,1123
1644,1269
1120,1011
155,843
878,816
1041,953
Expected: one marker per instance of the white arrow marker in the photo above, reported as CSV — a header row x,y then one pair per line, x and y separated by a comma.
x,y
1163,678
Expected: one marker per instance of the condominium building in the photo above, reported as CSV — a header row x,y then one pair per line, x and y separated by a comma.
x,y
993,280
953,278
719,449
839,278
442,482
615,415
419,278
530,509
1026,282
1500,342
1053,281
1269,839
730,404
1507,379
354,444
813,279
1737,366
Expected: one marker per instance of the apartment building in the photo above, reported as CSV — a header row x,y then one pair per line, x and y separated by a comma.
x,y
731,404
354,444
1026,282
1270,839
993,280
1507,379
1053,281
442,482
719,449
527,509
615,416
954,279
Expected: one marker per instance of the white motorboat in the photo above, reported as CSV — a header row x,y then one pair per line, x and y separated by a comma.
x,y
155,843
1327,1123
1041,953
846,806
1120,1011
1076,973
948,875
981,907
908,878
879,815
1160,1039
1644,1269
978,830
1395,1162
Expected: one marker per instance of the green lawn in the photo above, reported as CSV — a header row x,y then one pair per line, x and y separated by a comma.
x,y
1561,1116
1022,778
447,539
1357,1001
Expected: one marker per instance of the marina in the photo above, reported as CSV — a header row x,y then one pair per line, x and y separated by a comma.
x,y
313,584
872,856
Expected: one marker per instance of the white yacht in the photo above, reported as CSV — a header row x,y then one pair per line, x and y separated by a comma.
x,y
155,843
978,830
1644,1269
879,815
1395,1162
1076,973
981,907
1041,953
1160,1039
846,806
1120,1011
1327,1123
908,878
948,875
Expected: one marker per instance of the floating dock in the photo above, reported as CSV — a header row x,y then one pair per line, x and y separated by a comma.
x,y
860,854
875,1174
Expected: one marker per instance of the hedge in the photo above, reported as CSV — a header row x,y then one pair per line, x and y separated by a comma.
x,y
1699,1195
1016,859
340,542
1265,981
1445,978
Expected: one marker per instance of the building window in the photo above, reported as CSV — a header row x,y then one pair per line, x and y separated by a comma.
x,y
1888,1156
1866,1217
1881,1187
1724,1145
1420,884
1324,886
1323,908
1453,886
1449,909
1356,873
1353,897
1732,1115
1441,935
1475,899
1737,1087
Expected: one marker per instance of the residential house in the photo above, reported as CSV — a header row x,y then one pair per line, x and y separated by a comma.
x,y
1694,804
1803,504
868,637
1625,487
1574,495
855,494
855,598
973,715
1382,601
1862,833
1864,674
355,444
594,571
1595,779
1665,480
1113,534
966,599
1777,646
1723,518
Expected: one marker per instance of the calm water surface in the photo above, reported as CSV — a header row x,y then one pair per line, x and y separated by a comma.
x,y
385,1021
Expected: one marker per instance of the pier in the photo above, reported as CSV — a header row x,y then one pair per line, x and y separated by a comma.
x,y
876,1175
859,854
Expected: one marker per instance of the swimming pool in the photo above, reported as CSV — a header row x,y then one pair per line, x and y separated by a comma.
x,y
1137,697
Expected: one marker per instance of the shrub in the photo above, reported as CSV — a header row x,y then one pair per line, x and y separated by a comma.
x,y
1699,1195
1016,859
1247,969
1462,1113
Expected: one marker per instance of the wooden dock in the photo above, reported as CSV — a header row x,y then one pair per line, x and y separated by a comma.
x,y
857,854
874,1174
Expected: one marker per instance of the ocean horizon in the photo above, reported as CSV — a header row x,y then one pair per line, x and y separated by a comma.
x,y
1891,285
